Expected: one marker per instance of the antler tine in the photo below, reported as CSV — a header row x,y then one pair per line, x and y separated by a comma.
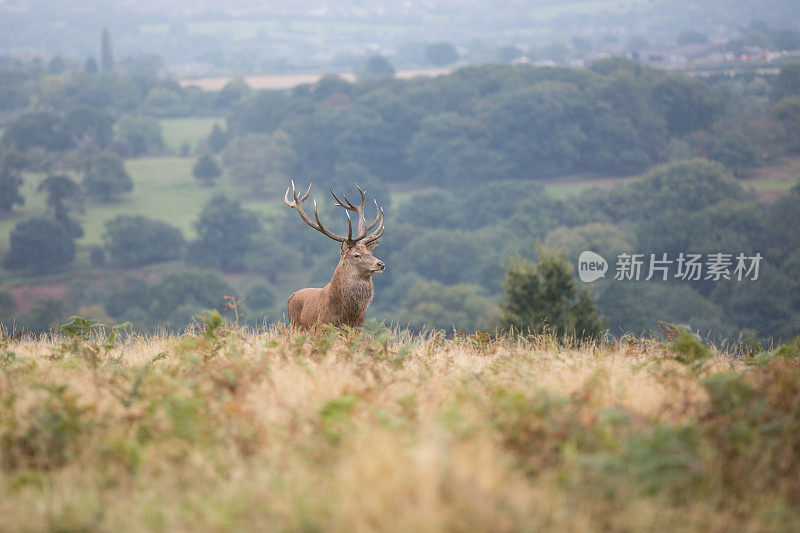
x,y
375,236
379,212
350,229
294,194
319,227
346,204
378,232
297,204
350,206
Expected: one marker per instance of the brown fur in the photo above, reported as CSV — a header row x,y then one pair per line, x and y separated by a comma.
x,y
344,300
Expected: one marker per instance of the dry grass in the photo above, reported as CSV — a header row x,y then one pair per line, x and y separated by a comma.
x,y
349,431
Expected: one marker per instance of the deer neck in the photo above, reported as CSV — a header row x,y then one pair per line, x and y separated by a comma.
x,y
350,292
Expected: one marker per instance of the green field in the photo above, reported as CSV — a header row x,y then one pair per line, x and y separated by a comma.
x,y
177,131
565,188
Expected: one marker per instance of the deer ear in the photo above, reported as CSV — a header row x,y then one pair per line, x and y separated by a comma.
x,y
374,244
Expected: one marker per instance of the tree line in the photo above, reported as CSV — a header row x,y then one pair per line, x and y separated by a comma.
x,y
472,147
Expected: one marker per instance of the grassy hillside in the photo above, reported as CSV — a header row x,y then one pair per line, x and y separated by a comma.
x,y
177,131
378,431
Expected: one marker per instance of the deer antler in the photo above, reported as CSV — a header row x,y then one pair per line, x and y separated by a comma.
x,y
362,221
297,204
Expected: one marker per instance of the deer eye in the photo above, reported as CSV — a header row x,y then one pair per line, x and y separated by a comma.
x,y
356,255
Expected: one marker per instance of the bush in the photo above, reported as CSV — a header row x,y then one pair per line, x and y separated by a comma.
x,y
137,240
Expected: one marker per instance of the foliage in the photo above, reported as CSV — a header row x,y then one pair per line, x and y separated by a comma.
x,y
83,125
217,139
106,177
260,161
10,184
441,54
787,114
106,55
35,129
430,304
379,66
64,197
206,170
140,135
179,296
542,297
225,231
687,104
40,244
788,82
137,240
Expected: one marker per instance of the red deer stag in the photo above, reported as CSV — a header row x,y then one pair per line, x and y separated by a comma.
x,y
344,300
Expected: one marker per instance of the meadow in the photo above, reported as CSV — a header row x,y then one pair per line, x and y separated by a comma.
x,y
341,430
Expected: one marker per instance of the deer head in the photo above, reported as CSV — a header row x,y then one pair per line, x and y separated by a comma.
x,y
355,252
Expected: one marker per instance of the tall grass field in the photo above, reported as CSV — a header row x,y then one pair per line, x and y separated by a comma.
x,y
224,429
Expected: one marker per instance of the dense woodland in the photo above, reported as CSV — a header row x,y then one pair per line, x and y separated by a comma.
x,y
459,163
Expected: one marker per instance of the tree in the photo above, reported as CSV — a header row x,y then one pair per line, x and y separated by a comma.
x,y
106,177
91,65
430,304
180,295
87,125
217,139
345,175
787,83
120,296
442,255
260,297
260,160
46,314
685,185
638,307
687,104
63,197
141,135
378,66
607,240
692,37
106,55
225,232
206,170
787,114
56,65
507,54
441,54
10,184
8,304
40,245
37,128
137,240
234,90
788,39
543,297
